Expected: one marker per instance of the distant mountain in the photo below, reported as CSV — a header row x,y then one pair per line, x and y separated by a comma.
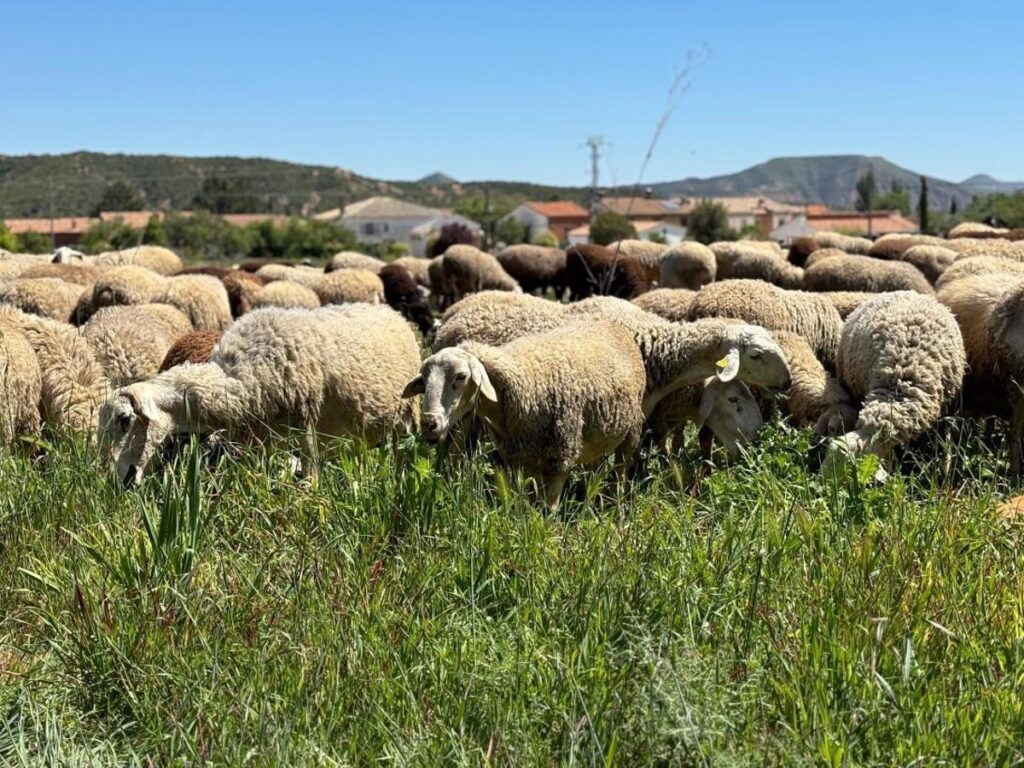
x,y
983,184
437,179
828,179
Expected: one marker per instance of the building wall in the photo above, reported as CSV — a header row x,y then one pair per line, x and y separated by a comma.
x,y
529,218
383,230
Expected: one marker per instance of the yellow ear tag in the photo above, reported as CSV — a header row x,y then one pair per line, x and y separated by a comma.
x,y
723,363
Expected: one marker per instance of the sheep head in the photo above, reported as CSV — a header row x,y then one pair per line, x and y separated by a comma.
x,y
451,381
730,411
135,424
750,354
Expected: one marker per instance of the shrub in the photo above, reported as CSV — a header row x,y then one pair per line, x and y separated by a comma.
x,y
546,238
709,223
609,227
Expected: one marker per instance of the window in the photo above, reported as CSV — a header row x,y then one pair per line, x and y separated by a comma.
x,y
369,228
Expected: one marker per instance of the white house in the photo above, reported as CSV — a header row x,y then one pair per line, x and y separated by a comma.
x,y
671,233
558,216
389,220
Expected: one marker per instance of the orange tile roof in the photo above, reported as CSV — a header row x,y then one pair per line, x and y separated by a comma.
x,y
882,222
65,224
560,209
133,219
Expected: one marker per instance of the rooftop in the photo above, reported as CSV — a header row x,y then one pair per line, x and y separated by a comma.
x,y
560,209
387,208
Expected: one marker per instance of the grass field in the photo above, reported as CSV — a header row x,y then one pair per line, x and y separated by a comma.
x,y
407,614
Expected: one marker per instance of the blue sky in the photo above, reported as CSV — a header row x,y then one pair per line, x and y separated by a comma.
x,y
485,90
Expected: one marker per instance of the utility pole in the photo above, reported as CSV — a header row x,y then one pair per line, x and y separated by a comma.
x,y
871,196
49,195
595,143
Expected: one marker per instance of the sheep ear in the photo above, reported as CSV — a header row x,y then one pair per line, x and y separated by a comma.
x,y
143,406
415,387
729,366
482,380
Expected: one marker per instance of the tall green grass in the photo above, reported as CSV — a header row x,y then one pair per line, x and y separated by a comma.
x,y
416,612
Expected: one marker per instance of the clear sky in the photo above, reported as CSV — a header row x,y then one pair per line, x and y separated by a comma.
x,y
510,90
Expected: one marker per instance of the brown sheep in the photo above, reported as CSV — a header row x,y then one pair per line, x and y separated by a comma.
x,y
536,268
194,347
242,288
595,270
800,249
402,293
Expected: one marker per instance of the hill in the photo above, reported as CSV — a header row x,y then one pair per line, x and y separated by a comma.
x,y
437,179
829,179
984,184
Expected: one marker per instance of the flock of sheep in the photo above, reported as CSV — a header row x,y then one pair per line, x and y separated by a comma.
x,y
870,344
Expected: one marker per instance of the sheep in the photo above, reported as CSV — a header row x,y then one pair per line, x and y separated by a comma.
x,y
845,243
20,386
242,288
72,382
130,342
402,294
441,293
156,258
1004,326
255,265
975,229
550,401
809,315
687,264
79,274
864,273
815,397
536,268
821,254
44,296
299,273
284,294
202,298
496,317
208,269
12,269
648,254
902,356
346,286
670,303
847,301
417,267
891,246
467,269
596,270
967,247
336,371
126,285
67,255
193,347
727,409
978,265
354,260
742,260
800,250
932,260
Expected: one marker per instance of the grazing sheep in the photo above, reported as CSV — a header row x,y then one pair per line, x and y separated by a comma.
x,y
193,347
743,260
892,246
441,293
550,401
72,383
347,286
801,249
821,254
66,255
79,274
126,285
536,268
298,273
967,247
978,265
330,371
902,356
687,265
284,294
130,342
403,294
975,229
864,273
208,269
155,258
255,265
809,315
815,397
417,267
12,269
847,301
845,243
354,260
495,318
44,296
242,288
647,254
202,298
467,269
669,303
932,260
728,409
20,386
596,270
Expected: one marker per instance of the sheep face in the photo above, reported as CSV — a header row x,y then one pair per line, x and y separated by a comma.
x,y
133,428
450,382
730,411
753,356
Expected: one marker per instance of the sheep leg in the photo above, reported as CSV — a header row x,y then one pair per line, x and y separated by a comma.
x,y
553,485
626,458
309,464
706,440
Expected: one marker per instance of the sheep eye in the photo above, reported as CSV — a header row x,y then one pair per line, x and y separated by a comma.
x,y
734,400
755,355
460,377
124,421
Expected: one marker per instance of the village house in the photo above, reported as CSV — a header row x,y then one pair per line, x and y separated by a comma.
x,y
558,216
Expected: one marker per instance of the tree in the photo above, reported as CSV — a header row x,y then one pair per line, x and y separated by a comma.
x,y
896,199
609,227
1006,210
922,207
218,195
952,207
709,223
452,234
509,231
546,238
155,233
119,196
112,235
658,237
33,242
866,190
8,240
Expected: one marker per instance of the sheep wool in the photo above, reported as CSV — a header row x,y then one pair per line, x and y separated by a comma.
x,y
298,273
193,347
44,296
403,295
284,294
354,260
647,253
595,270
845,243
77,273
467,269
242,288
126,285
687,264
418,267
864,273
20,386
130,342
535,267
347,286
745,261
932,260
815,397
202,298
669,303
155,258
978,265
847,301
